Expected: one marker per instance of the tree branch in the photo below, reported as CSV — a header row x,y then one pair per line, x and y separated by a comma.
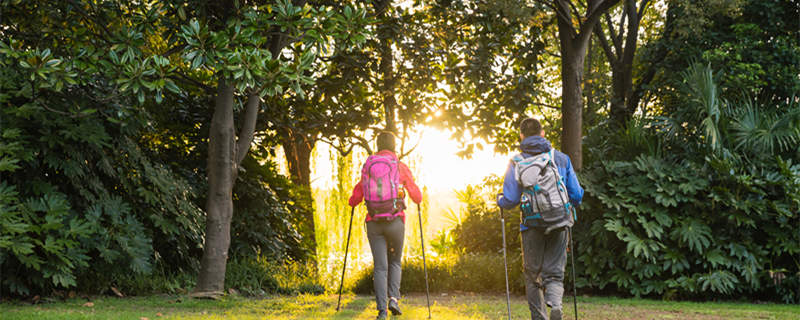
x,y
624,14
594,13
341,149
184,77
363,143
248,127
612,33
403,155
576,12
560,15
642,7
545,105
610,56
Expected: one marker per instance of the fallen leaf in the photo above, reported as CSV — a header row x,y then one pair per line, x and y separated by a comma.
x,y
233,291
117,292
89,304
71,294
144,318
159,314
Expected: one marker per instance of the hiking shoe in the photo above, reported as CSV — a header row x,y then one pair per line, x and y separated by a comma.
x,y
382,315
555,314
394,307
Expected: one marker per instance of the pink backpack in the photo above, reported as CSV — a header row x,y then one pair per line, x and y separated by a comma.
x,y
380,178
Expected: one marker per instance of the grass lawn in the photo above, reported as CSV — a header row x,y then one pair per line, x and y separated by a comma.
x,y
460,306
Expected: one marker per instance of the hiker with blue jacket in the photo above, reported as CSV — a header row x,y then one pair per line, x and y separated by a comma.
x,y
542,182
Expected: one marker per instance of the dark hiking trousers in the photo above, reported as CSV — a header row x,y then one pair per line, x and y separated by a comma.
x,y
544,259
386,242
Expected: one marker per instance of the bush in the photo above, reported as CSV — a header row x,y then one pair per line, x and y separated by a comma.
x,y
704,203
260,276
472,272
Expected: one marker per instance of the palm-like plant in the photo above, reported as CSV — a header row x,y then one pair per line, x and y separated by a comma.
x,y
746,131
765,131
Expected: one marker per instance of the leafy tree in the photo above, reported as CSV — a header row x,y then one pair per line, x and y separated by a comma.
x,y
486,58
619,43
243,56
82,197
221,50
574,40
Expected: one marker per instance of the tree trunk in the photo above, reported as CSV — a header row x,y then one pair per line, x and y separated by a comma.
x,y
573,52
387,65
219,204
297,148
620,54
574,43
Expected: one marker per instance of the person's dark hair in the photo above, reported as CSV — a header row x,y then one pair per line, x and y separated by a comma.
x,y
386,141
530,127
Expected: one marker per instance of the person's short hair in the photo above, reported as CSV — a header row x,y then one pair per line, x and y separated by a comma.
x,y
530,127
386,141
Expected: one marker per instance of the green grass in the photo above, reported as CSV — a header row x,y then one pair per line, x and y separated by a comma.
x,y
444,306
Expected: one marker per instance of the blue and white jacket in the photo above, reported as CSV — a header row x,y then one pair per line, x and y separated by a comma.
x,y
531,146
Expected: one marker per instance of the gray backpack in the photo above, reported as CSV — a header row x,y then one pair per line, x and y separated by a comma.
x,y
544,201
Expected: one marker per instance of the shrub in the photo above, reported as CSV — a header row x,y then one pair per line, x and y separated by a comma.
x,y
472,272
260,276
703,203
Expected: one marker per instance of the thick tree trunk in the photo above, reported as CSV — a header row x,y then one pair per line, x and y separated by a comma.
x,y
219,204
572,106
573,53
574,42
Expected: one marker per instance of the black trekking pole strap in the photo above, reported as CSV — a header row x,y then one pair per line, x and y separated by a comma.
x,y
424,265
346,249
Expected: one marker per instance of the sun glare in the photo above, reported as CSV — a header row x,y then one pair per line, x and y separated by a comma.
x,y
436,167
442,169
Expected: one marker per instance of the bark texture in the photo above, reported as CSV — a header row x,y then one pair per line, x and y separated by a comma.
x,y
574,41
219,204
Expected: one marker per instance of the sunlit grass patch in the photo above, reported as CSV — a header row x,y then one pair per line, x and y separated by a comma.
x,y
444,306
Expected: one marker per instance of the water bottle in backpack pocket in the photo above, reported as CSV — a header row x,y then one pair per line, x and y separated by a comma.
x,y
544,201
381,182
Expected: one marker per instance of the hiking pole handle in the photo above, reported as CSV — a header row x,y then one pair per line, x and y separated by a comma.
x,y
346,249
502,215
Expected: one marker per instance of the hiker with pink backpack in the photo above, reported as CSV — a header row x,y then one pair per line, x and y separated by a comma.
x,y
383,180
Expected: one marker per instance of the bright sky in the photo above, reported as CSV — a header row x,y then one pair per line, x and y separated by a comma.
x,y
436,162
441,168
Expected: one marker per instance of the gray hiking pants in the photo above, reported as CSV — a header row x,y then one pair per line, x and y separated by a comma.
x,y
544,259
386,242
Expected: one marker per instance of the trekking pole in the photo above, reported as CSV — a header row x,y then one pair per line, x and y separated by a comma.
x,y
505,262
424,266
346,247
574,286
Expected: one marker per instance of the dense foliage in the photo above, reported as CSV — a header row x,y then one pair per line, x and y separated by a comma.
x,y
100,184
106,129
705,202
